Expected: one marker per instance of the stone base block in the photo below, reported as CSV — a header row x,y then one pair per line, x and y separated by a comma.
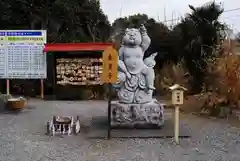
x,y
149,115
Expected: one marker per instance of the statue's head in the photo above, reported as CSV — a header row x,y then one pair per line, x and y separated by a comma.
x,y
132,37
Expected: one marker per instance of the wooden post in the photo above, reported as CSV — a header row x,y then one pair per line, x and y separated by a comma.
x,y
177,100
42,89
176,124
109,109
53,59
7,87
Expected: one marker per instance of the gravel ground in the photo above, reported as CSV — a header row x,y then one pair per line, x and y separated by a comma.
x,y
22,138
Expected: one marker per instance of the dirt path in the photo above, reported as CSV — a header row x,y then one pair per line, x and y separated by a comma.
x,y
22,138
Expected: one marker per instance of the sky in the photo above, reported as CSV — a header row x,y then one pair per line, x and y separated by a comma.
x,y
174,9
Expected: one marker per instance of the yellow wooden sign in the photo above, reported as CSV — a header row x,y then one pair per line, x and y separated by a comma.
x,y
110,66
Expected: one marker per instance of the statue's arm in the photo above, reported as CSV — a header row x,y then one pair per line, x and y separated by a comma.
x,y
146,41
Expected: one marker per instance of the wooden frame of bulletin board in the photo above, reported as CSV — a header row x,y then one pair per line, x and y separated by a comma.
x,y
76,64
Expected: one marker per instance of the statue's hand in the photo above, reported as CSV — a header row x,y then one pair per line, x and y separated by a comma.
x,y
142,29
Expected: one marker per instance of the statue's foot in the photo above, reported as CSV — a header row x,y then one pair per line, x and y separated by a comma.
x,y
148,91
151,88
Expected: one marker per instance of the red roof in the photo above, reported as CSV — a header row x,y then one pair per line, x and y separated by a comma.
x,y
61,47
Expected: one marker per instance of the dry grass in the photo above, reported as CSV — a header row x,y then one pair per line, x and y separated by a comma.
x,y
222,82
171,74
227,77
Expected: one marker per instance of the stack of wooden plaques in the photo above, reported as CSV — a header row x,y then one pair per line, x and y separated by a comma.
x,y
78,71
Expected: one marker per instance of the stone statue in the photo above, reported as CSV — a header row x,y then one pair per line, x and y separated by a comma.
x,y
136,80
136,76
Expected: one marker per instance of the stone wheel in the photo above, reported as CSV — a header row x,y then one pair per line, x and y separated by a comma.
x,y
76,126
48,128
54,119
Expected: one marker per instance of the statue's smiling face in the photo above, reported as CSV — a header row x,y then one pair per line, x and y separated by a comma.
x,y
132,37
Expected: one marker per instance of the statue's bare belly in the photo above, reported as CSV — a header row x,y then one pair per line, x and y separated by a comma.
x,y
133,58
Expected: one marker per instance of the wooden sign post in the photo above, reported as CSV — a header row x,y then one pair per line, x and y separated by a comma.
x,y
109,76
110,66
177,100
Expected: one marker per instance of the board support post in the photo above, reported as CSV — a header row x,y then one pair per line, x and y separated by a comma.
x,y
7,87
109,109
42,89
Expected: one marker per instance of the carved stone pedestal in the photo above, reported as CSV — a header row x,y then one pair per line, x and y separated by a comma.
x,y
149,115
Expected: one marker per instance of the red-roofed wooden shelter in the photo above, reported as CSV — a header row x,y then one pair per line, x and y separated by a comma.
x,y
69,50
70,47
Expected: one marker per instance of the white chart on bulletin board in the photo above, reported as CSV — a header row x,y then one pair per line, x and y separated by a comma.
x,y
21,54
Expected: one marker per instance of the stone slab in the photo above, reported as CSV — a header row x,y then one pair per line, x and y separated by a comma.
x,y
99,130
